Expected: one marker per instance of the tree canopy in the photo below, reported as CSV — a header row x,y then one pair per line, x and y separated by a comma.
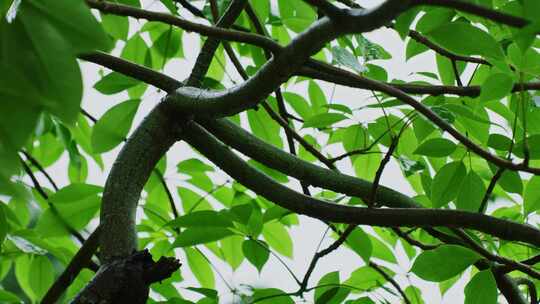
x,y
258,107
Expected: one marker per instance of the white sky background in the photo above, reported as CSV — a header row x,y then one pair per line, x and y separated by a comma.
x,y
307,235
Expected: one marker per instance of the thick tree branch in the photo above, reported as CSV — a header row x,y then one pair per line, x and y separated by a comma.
x,y
323,71
275,158
129,173
210,46
265,186
445,126
281,66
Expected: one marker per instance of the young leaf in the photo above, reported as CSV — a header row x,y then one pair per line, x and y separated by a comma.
x,y
443,262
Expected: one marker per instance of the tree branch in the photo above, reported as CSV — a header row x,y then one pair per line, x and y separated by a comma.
x,y
477,10
263,185
81,259
217,32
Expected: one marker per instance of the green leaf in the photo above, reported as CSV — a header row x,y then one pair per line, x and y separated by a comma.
x,y
278,238
200,268
256,253
344,57
499,142
205,218
193,165
3,224
446,184
112,128
443,262
434,18
323,120
404,21
299,104
231,248
436,147
41,276
296,14
23,273
471,193
414,294
316,98
114,82
264,127
8,297
169,44
367,278
76,204
330,294
116,26
465,39
262,9
355,137
481,289
531,196
200,235
496,86
271,296
71,19
360,243
510,181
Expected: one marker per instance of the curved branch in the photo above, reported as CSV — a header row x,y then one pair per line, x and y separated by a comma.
x,y
133,70
323,71
129,173
265,186
224,34
293,166
283,65
441,123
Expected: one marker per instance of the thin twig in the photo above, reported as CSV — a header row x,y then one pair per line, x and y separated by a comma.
x,y
38,165
53,209
495,258
391,280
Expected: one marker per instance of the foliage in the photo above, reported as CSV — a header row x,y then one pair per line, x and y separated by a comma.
x,y
464,135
